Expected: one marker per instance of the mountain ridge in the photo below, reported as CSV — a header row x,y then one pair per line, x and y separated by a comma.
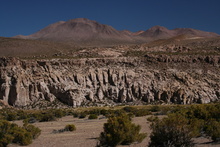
x,y
85,31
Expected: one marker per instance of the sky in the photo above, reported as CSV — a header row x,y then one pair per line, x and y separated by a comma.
x,y
25,17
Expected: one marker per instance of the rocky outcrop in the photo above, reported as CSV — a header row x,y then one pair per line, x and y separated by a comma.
x,y
109,81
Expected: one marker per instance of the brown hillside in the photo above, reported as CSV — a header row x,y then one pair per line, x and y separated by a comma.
x,y
86,32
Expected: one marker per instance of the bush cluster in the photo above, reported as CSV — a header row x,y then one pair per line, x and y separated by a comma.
x,y
10,132
138,112
171,131
82,115
37,115
70,127
155,108
120,130
206,117
92,116
185,122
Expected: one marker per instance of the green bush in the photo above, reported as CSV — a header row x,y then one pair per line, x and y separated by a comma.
x,y
21,114
93,116
34,131
104,112
196,126
171,131
70,127
198,111
137,112
58,113
116,112
212,129
47,117
141,112
129,109
5,133
165,110
120,130
203,119
82,115
5,140
95,111
21,136
11,116
75,114
13,133
155,108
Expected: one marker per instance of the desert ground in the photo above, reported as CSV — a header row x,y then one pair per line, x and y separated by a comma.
x,y
87,132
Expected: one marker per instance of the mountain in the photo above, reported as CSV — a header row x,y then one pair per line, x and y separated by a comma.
x,y
159,32
82,31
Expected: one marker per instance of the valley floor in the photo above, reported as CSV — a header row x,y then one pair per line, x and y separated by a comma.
x,y
87,132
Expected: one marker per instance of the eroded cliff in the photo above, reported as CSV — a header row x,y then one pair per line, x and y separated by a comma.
x,y
110,81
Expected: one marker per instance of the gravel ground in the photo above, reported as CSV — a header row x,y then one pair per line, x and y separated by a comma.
x,y
86,134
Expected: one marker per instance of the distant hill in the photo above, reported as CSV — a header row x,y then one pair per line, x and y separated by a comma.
x,y
159,32
83,31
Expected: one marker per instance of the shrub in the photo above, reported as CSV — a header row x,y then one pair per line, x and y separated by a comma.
x,y
197,127
117,112
13,133
21,114
141,112
165,110
58,113
47,117
11,116
5,136
95,111
199,111
155,108
5,140
202,119
171,131
82,115
129,109
21,136
93,116
104,112
34,131
137,112
37,115
212,129
70,127
75,115
120,130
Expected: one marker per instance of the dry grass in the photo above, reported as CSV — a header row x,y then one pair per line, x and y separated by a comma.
x,y
24,47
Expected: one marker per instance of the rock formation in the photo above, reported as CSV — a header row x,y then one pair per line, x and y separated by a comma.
x,y
110,81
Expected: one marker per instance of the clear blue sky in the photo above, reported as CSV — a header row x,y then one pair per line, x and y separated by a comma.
x,y
28,16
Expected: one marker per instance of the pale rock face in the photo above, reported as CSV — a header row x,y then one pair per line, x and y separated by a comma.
x,y
91,96
82,81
